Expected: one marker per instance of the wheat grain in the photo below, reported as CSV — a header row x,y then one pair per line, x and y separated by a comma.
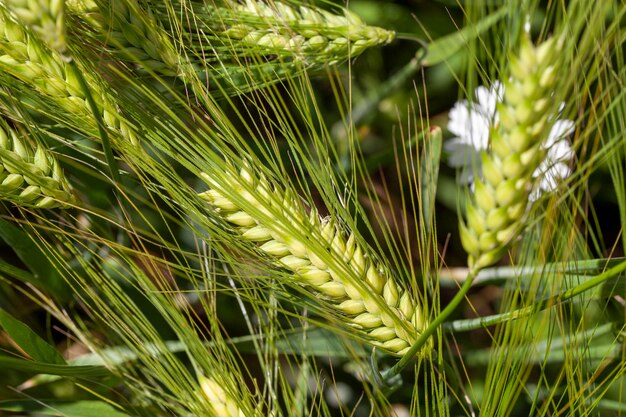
x,y
320,257
28,59
29,175
496,211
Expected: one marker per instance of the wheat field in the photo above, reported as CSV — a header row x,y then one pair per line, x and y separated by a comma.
x,y
246,208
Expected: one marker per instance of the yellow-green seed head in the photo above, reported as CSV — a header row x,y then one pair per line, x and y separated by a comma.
x,y
494,215
304,33
320,257
30,178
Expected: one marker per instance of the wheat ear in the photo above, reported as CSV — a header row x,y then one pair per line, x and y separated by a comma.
x,y
320,257
30,176
223,404
133,32
28,59
496,211
44,17
308,34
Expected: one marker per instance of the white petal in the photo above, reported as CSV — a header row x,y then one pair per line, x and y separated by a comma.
x,y
550,174
560,129
458,118
461,154
561,151
534,195
479,130
485,100
553,176
469,126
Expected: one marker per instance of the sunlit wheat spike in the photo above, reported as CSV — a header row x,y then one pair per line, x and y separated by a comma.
x,y
496,211
44,17
28,59
30,176
323,258
306,33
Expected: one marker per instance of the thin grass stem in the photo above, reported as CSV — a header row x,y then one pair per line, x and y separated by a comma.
x,y
482,322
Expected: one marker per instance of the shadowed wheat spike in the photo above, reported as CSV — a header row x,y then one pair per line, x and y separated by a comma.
x,y
44,17
30,177
28,59
321,258
499,204
133,32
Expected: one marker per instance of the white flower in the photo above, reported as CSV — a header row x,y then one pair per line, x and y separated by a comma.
x,y
470,123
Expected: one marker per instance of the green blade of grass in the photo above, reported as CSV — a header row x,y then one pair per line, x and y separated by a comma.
x,y
442,49
33,368
27,340
430,160
44,274
59,408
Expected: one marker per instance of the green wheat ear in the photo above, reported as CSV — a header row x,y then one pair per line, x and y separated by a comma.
x,y
311,35
30,176
321,257
45,17
27,58
496,211
306,34
133,33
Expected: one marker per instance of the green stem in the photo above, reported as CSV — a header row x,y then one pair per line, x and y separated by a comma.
x,y
466,325
555,350
499,275
395,370
102,129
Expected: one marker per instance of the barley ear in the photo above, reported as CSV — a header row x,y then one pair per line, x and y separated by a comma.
x,y
319,256
496,211
30,176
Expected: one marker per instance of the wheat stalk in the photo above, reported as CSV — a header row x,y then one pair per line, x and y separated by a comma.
x,y
30,176
320,257
496,211
26,58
